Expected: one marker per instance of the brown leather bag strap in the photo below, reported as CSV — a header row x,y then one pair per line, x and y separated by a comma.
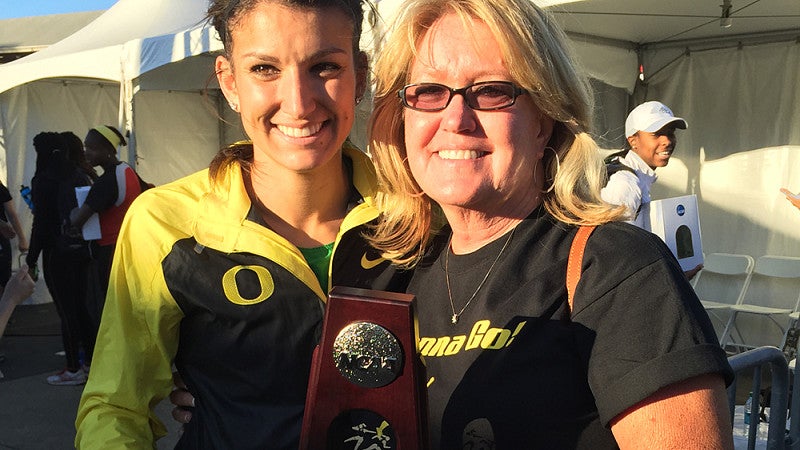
x,y
576,261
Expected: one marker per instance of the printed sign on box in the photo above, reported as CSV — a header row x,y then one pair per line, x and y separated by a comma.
x,y
676,221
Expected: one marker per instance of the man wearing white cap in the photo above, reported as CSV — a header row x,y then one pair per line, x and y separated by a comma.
x,y
650,130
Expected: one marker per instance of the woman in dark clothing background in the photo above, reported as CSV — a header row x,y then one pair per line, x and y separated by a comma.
x,y
66,258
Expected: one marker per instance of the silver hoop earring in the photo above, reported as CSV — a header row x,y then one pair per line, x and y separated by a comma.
x,y
558,168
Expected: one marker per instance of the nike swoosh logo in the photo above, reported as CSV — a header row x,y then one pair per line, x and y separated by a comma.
x,y
367,263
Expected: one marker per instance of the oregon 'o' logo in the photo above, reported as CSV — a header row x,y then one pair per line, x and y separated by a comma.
x,y
231,288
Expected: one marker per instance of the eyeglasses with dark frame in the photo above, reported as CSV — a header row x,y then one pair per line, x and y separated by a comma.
x,y
482,96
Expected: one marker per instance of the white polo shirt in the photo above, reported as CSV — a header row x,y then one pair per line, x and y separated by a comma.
x,y
629,189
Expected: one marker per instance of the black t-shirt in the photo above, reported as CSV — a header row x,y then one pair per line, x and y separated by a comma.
x,y
519,370
5,196
53,194
104,192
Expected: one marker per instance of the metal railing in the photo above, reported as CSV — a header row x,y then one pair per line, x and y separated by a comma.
x,y
756,359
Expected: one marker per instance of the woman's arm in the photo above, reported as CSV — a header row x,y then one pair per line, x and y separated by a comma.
x,y
138,337
689,414
79,216
101,196
18,288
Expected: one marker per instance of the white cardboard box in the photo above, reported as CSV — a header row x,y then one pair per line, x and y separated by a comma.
x,y
91,229
677,222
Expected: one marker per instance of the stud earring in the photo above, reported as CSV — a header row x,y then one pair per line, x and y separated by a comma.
x,y
234,106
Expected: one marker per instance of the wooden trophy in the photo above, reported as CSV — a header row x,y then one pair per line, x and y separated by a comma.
x,y
366,389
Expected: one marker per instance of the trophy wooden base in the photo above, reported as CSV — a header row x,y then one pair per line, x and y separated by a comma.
x,y
367,383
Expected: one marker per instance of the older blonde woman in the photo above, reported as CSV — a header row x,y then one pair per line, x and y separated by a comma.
x,y
481,115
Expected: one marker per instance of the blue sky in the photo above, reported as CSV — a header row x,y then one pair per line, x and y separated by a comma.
x,y
23,8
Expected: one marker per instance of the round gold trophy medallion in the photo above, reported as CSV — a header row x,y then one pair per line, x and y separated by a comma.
x,y
367,354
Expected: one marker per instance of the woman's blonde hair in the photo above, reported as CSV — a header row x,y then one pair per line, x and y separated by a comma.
x,y
535,52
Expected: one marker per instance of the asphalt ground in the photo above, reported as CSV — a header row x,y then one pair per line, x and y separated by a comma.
x,y
33,414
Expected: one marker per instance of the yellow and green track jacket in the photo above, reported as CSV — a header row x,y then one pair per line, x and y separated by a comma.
x,y
233,305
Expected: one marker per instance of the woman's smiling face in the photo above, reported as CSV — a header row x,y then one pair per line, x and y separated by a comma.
x,y
292,74
655,148
461,157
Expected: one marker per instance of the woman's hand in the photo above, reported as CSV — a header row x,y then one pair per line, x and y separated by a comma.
x,y
7,230
182,399
692,272
19,287
794,199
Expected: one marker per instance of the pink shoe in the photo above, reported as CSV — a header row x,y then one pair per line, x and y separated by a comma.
x,y
67,378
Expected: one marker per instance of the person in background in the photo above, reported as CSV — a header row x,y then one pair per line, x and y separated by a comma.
x,y
481,115
10,228
794,199
78,156
65,258
650,130
110,197
226,272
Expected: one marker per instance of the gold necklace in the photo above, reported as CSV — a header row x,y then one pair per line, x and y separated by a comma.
x,y
456,315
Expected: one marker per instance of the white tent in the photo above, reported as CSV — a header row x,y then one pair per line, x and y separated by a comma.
x,y
145,64
91,77
739,89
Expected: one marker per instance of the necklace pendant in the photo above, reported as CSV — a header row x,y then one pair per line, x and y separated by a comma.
x,y
454,319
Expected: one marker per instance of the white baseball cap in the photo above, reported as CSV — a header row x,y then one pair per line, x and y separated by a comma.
x,y
650,117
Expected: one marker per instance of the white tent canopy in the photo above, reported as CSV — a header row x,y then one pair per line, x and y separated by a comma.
x,y
94,51
91,77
